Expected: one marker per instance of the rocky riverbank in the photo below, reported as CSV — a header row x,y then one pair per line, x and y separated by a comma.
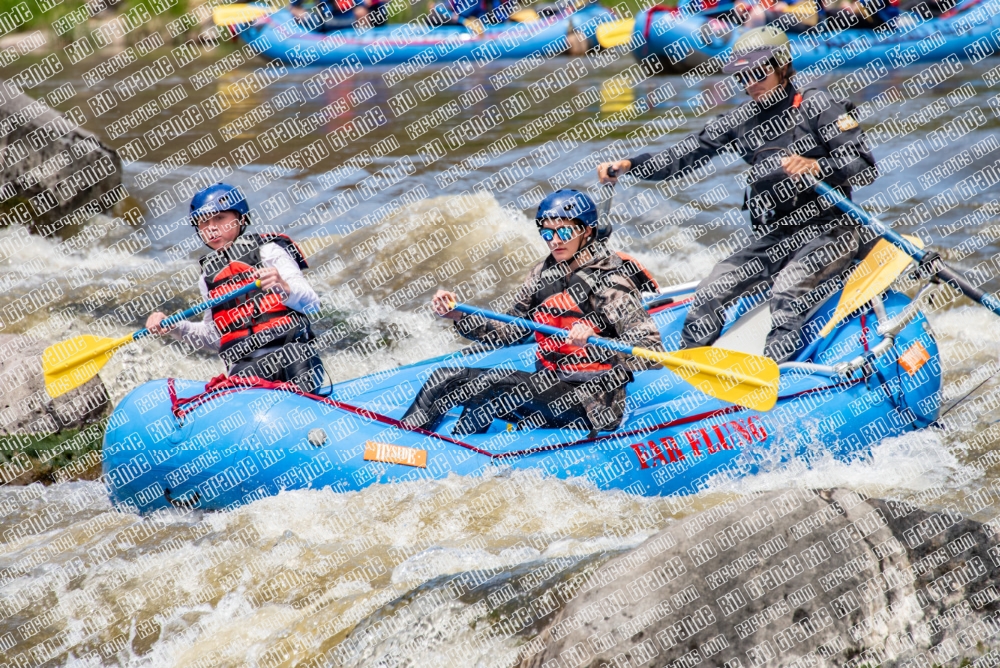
x,y
796,578
56,176
55,173
45,439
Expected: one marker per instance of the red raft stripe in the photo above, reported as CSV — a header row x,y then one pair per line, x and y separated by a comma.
x,y
223,385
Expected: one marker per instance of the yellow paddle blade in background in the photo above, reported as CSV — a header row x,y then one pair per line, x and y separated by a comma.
x,y
69,364
524,16
237,14
615,33
871,277
748,380
474,25
616,95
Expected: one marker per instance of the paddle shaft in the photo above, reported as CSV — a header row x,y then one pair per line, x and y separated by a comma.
x,y
604,207
663,358
111,344
548,330
941,269
199,308
607,195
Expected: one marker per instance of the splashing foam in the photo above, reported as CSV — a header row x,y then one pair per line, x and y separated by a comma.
x,y
290,575
58,256
449,240
968,336
903,464
470,244
687,260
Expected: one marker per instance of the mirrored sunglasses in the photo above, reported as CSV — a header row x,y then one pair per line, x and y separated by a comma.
x,y
566,232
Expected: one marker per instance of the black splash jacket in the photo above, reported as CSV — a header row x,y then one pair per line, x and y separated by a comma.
x,y
809,123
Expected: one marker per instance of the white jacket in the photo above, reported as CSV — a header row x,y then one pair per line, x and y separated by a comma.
x,y
302,298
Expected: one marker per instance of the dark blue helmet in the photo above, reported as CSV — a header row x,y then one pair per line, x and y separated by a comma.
x,y
567,203
219,197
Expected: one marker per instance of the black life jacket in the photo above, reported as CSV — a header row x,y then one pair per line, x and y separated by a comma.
x,y
761,195
258,311
564,301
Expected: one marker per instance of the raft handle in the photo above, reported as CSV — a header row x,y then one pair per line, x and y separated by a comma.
x,y
889,330
809,368
879,307
317,437
189,503
895,325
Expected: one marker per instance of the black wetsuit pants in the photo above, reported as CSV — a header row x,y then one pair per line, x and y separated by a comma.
x,y
797,271
530,400
294,362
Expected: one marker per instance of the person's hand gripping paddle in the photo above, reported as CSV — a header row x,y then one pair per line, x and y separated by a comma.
x,y
928,258
748,380
70,364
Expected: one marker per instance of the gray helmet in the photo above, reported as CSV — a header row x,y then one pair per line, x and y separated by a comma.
x,y
756,47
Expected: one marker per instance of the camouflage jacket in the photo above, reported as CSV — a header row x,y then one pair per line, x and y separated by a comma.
x,y
616,311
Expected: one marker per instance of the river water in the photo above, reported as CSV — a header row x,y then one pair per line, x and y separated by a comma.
x,y
284,580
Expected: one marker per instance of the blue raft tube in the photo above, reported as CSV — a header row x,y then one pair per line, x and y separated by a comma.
x,y
683,42
183,443
280,36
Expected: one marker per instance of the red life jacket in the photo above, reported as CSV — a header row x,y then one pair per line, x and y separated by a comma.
x,y
564,302
231,269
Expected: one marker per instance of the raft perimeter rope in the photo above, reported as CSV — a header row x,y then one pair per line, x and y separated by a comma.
x,y
223,385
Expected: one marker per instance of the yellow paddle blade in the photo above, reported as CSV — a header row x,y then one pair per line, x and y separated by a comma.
x,y
524,16
616,95
237,14
70,364
474,25
871,277
748,380
615,33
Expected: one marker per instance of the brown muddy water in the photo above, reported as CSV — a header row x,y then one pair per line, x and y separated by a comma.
x,y
283,580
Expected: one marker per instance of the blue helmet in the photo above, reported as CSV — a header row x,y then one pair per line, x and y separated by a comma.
x,y
219,197
567,203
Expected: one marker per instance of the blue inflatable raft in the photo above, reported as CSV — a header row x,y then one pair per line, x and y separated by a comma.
x,y
683,42
279,36
216,446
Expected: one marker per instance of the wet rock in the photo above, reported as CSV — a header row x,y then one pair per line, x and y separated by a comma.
x,y
34,428
51,166
794,578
